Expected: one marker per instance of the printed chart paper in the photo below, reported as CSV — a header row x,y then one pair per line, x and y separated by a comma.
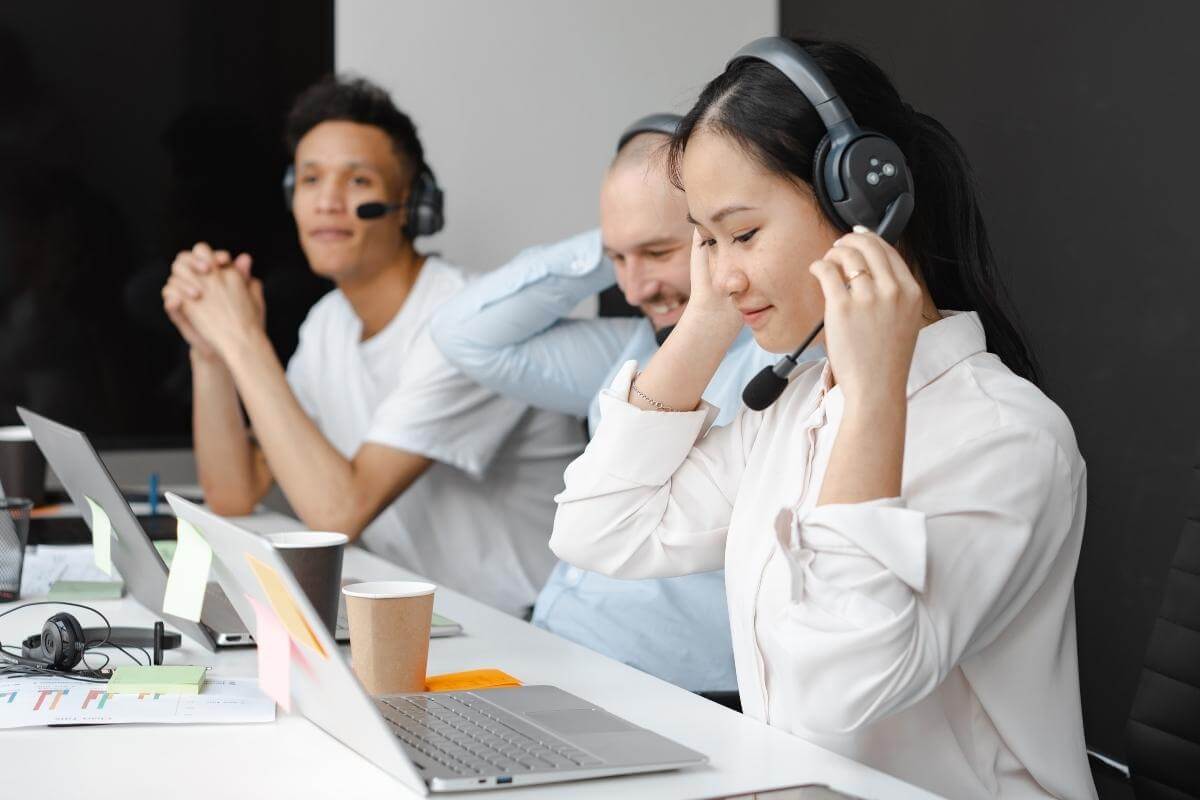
x,y
35,701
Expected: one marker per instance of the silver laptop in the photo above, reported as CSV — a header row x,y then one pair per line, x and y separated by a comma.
x,y
443,741
82,473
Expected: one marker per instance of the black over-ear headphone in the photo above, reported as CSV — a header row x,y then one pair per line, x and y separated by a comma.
x,y
63,642
424,214
59,647
860,178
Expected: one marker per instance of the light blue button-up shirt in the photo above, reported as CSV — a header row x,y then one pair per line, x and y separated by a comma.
x,y
507,331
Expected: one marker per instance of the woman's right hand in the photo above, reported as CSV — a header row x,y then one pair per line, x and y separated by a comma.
x,y
715,313
680,371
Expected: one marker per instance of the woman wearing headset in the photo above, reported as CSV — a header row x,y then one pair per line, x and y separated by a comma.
x,y
900,530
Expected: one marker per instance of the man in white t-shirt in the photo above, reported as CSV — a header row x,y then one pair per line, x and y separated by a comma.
x,y
369,431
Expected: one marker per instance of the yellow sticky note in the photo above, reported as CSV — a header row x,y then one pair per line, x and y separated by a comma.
x,y
283,604
188,577
102,533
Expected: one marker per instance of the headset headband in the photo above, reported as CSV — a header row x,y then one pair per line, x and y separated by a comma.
x,y
845,164
794,61
651,123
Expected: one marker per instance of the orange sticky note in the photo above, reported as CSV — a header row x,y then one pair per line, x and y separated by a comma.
x,y
284,606
274,649
471,679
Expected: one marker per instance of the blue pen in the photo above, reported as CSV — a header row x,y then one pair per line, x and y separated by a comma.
x,y
153,493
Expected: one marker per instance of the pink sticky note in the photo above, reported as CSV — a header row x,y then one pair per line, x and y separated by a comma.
x,y
302,662
274,649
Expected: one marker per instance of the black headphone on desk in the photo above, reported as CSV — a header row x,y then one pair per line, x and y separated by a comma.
x,y
60,645
424,209
860,177
63,642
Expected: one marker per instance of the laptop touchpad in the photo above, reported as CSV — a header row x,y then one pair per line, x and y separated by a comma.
x,y
580,720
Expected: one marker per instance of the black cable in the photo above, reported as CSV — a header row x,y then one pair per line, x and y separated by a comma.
x,y
15,669
90,675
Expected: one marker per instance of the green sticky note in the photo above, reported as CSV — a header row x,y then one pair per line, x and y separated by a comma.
x,y
188,577
102,533
86,590
166,549
157,680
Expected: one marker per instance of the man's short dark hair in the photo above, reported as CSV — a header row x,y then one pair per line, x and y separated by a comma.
x,y
350,99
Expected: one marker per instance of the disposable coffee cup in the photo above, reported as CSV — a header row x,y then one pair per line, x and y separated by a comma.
x,y
389,634
22,465
315,558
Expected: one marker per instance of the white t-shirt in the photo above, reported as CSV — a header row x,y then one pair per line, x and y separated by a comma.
x,y
478,520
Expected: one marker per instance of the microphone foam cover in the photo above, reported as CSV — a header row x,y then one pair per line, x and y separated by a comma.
x,y
372,210
763,389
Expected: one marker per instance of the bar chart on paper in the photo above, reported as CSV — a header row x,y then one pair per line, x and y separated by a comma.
x,y
36,701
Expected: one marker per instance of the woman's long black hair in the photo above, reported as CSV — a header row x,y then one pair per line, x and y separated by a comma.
x,y
946,239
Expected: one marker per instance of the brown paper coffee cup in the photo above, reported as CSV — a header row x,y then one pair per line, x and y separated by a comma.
x,y
389,634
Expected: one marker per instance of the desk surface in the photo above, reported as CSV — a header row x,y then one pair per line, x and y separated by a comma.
x,y
294,758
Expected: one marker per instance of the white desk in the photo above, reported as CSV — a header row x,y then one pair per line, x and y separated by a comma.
x,y
293,758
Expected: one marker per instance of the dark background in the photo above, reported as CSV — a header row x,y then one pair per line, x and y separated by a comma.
x,y
129,131
1081,120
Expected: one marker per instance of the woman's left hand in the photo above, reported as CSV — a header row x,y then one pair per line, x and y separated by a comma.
x,y
873,308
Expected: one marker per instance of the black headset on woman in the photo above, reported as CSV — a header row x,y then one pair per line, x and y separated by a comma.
x,y
860,177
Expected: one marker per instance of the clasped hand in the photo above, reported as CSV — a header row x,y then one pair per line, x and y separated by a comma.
x,y
213,300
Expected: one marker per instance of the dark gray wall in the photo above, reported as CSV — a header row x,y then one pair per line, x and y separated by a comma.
x,y
129,131
1081,120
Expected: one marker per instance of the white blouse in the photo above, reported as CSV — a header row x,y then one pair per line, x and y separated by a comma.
x,y
932,635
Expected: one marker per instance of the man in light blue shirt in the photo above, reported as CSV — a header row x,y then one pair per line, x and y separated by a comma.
x,y
509,331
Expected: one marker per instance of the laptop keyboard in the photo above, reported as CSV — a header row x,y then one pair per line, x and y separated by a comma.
x,y
471,737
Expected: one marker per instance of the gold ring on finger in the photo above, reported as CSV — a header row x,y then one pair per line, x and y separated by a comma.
x,y
853,276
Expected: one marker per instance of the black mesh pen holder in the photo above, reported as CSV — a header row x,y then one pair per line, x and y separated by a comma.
x,y
14,534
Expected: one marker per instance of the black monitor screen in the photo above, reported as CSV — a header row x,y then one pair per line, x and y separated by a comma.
x,y
130,131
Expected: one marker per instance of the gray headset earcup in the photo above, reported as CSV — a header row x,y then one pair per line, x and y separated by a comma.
x,y
820,155
866,203
289,186
424,215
